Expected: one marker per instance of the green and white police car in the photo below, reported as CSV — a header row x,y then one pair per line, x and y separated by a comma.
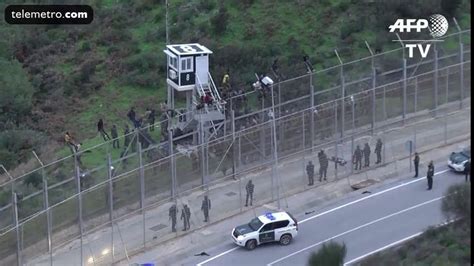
x,y
271,227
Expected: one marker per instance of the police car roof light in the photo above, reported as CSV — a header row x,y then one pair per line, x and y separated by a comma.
x,y
270,216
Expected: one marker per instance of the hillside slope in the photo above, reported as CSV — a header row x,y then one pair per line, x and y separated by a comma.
x,y
76,74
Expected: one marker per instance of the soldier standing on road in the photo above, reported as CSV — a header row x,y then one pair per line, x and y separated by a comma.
x,y
114,133
310,172
249,188
366,155
416,162
430,174
358,158
324,165
185,216
205,207
467,170
378,151
172,214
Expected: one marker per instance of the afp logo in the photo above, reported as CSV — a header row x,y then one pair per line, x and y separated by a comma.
x,y
436,24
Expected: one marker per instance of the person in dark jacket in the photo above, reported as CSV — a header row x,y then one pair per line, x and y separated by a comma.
x,y
100,128
366,155
416,162
114,134
173,211
249,189
378,151
430,174
151,119
186,216
358,158
205,207
310,172
324,166
467,170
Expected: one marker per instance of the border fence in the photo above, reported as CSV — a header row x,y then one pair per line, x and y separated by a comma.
x,y
98,212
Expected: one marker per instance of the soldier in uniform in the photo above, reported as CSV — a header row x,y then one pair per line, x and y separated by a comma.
x,y
416,162
249,188
185,216
358,158
114,134
310,172
205,207
173,211
378,151
467,170
430,174
324,166
366,155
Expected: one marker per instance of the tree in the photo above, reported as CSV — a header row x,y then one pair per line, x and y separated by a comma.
x,y
331,254
16,92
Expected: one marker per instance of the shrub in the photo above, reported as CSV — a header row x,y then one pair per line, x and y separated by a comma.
x,y
220,20
16,92
331,254
16,145
457,201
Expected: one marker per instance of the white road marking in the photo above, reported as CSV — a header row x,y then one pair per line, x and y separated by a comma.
x,y
217,256
384,247
368,197
393,244
355,229
334,209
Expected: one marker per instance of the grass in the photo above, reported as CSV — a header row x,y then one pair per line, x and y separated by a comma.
x,y
447,245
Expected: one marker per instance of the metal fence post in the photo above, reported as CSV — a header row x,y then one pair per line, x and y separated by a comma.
x,y
48,216
447,109
275,151
311,132
172,164
404,89
416,110
461,64
46,208
343,94
303,135
353,132
372,61
15,221
111,203
79,205
142,189
374,85
436,75
335,139
203,163
234,157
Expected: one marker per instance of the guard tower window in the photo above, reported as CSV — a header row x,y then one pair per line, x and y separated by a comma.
x,y
173,61
187,64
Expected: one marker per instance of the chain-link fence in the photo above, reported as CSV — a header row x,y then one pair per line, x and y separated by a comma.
x,y
102,204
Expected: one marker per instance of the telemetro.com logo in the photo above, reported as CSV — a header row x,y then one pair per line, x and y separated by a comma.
x,y
436,24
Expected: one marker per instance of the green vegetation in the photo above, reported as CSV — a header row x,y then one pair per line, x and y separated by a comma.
x,y
70,76
330,254
446,245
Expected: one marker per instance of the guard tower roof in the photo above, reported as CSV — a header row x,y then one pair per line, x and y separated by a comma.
x,y
188,49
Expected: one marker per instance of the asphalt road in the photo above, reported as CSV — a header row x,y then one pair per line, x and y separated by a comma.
x,y
364,223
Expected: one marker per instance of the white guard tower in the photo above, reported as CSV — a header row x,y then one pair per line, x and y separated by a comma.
x,y
188,73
